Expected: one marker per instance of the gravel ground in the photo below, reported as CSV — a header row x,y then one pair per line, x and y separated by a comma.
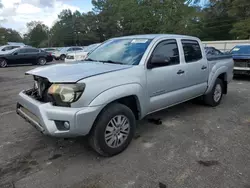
x,y
195,146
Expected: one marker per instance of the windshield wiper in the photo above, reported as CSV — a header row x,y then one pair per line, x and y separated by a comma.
x,y
110,61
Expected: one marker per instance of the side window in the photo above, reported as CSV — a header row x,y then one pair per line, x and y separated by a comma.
x,y
70,49
192,50
6,48
14,47
31,50
169,50
21,51
77,49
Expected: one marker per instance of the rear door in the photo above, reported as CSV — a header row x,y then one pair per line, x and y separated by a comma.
x,y
196,66
32,55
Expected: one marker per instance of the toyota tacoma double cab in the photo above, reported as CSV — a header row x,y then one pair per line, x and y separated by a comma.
x,y
120,82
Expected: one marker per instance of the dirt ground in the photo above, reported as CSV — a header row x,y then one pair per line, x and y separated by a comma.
x,y
195,146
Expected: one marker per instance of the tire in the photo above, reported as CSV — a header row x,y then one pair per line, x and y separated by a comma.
x,y
3,63
109,144
41,61
62,57
213,98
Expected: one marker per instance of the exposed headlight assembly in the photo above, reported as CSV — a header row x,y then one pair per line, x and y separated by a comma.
x,y
64,94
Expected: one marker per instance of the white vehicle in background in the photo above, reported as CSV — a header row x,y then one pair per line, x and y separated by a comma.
x,y
81,55
5,48
61,53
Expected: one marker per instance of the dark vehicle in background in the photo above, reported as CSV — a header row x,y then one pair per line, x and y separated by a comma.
x,y
212,51
25,55
241,57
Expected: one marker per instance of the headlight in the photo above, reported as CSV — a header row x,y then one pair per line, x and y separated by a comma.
x,y
64,94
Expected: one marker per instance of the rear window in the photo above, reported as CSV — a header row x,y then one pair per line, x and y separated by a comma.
x,y
241,50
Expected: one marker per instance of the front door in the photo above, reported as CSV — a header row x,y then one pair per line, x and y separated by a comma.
x,y
19,56
165,83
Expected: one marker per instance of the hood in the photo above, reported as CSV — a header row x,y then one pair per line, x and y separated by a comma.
x,y
241,56
74,72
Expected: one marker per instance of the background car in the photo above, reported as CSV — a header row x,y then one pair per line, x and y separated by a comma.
x,y
81,55
61,53
212,51
5,48
49,49
25,55
241,57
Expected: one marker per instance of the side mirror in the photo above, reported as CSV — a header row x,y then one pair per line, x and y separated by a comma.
x,y
158,61
16,53
3,49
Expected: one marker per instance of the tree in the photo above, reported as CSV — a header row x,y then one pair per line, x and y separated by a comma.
x,y
240,11
9,35
37,35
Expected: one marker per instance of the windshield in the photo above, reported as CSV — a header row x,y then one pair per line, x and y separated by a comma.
x,y
123,51
90,47
241,50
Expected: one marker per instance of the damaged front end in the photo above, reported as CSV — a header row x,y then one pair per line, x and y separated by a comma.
x,y
40,90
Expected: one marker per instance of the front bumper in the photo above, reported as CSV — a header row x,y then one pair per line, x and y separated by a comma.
x,y
242,70
69,60
43,117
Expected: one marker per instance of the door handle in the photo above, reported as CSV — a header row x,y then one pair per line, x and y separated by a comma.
x,y
180,72
203,67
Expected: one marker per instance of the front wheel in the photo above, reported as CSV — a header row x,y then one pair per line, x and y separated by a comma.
x,y
3,63
113,130
213,98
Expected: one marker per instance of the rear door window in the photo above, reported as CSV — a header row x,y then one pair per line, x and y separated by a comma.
x,y
192,50
32,50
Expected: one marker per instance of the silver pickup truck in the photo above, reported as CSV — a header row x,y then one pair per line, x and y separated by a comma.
x,y
122,81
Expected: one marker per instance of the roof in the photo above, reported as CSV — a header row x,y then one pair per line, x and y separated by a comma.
x,y
16,43
153,36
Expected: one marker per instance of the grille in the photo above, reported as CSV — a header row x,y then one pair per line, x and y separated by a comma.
x,y
241,64
70,57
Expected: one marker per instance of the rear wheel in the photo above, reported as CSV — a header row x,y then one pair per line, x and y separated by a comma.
x,y
213,98
41,61
62,57
113,130
3,63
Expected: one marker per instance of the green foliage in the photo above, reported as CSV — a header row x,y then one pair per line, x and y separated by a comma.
x,y
37,34
9,35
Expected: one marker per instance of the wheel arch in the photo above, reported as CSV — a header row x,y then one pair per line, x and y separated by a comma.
x,y
221,73
130,95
